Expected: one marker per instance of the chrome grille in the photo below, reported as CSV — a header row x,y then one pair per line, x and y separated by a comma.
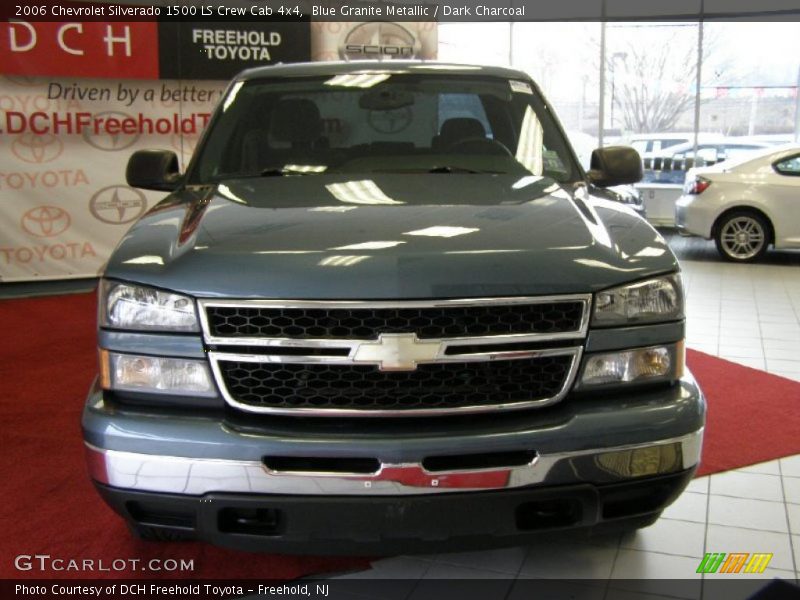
x,y
430,386
428,322
394,358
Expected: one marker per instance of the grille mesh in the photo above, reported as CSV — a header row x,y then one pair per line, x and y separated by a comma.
x,y
368,323
430,386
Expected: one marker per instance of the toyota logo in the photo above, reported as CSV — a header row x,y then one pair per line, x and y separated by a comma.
x,y
45,221
117,204
110,142
33,148
389,121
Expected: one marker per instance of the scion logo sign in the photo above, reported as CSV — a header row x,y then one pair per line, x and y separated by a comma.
x,y
117,204
45,221
379,39
36,149
110,142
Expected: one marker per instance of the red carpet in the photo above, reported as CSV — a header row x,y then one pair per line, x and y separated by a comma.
x,y
752,416
48,506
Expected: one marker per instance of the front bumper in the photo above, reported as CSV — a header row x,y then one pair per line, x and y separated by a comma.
x,y
359,525
207,475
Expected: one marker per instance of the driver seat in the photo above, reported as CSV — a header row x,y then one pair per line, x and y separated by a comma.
x,y
457,130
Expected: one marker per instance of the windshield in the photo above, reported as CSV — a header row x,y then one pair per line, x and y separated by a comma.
x,y
383,122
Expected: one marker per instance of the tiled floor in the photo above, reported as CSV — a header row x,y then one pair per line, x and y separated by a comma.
x,y
748,314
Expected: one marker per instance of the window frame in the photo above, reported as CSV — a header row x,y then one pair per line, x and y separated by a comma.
x,y
783,159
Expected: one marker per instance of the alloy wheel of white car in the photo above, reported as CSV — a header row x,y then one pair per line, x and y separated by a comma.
x,y
742,237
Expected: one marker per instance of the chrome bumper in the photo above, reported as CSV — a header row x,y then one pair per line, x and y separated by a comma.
x,y
198,476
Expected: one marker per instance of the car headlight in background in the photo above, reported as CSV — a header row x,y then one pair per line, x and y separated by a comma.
x,y
155,375
637,365
653,300
129,306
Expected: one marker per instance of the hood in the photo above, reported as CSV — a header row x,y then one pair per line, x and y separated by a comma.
x,y
388,236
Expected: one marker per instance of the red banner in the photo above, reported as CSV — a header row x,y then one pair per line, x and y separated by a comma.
x,y
120,50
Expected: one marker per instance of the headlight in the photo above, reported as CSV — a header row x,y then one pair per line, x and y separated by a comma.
x,y
155,375
128,306
659,299
638,365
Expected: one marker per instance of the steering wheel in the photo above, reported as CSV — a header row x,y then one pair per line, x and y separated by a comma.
x,y
479,145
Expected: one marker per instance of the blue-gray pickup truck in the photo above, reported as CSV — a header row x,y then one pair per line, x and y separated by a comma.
x,y
384,310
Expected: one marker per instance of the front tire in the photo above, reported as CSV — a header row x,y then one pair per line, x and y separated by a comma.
x,y
742,236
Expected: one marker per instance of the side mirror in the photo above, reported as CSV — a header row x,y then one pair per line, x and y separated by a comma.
x,y
153,170
615,165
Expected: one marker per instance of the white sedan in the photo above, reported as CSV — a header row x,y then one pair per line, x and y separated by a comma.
x,y
745,204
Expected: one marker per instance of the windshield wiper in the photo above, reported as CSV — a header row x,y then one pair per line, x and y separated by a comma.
x,y
454,169
281,171
446,169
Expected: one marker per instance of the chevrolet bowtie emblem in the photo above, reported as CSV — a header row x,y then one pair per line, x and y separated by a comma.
x,y
397,351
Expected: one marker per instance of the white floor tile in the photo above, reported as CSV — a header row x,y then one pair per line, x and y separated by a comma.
x,y
747,485
397,567
668,537
739,512
753,363
573,560
767,468
780,353
792,375
503,560
791,489
733,338
796,547
788,345
783,365
741,351
741,328
780,331
636,564
735,539
698,485
790,466
793,510
709,342
688,507
777,316
703,347
633,566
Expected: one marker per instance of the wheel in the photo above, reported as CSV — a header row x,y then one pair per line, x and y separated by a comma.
x,y
158,534
479,145
742,236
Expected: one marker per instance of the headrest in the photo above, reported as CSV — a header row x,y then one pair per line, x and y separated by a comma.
x,y
295,120
461,128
